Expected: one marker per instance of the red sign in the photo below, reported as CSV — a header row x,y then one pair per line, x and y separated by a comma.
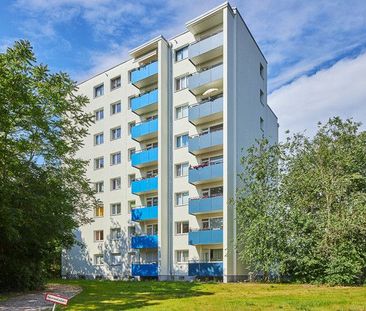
x,y
61,300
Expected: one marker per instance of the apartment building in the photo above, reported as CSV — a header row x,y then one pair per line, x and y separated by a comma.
x,y
171,124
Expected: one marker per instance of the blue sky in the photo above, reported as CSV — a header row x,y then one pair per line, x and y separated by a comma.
x,y
315,49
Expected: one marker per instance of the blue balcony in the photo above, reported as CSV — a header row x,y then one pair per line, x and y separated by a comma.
x,y
145,158
206,269
207,111
205,237
145,269
206,49
206,143
206,174
144,241
206,205
144,213
143,186
145,103
145,75
200,82
145,130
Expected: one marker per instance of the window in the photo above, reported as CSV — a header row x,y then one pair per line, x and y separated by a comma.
x,y
131,231
181,112
116,259
115,133
182,141
181,256
130,126
116,233
99,186
152,229
205,224
115,209
181,227
180,83
98,139
152,145
115,83
116,183
212,192
98,235
115,108
152,173
131,178
261,124
153,201
99,90
98,259
98,163
212,223
261,70
216,255
115,158
261,97
181,169
131,205
181,54
131,151
181,198
99,114
99,210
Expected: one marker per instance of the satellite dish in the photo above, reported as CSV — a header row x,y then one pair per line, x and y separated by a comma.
x,y
209,91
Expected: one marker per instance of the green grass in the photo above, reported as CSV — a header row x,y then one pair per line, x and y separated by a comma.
x,y
117,295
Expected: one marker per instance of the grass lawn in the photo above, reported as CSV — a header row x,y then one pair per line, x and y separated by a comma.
x,y
117,295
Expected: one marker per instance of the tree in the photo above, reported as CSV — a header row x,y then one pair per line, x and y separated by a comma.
x,y
44,194
302,206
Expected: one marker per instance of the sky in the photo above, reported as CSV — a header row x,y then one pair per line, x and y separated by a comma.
x,y
316,49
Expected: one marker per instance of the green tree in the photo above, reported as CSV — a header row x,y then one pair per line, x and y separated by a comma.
x,y
302,206
44,194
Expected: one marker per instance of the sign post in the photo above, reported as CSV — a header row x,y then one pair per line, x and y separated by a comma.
x,y
56,299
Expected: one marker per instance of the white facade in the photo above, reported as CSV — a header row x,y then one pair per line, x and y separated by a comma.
x,y
188,107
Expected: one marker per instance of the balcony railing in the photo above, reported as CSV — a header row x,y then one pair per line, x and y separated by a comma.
x,y
145,103
145,75
145,130
144,213
146,185
206,142
206,111
206,269
145,269
144,241
207,205
207,173
205,237
145,157
201,81
206,49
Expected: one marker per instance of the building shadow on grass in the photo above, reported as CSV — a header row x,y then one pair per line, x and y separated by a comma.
x,y
126,295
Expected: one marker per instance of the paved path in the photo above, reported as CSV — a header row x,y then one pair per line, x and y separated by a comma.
x,y
34,301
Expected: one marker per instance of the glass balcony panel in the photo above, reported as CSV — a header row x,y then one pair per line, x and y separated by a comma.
x,y
206,49
144,269
145,130
145,158
206,205
145,75
145,103
200,82
206,112
205,237
146,185
144,241
206,269
144,213
209,173
206,143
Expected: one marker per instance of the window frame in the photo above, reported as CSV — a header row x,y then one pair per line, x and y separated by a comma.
x,y
181,168
97,187
113,130
181,196
95,259
179,136
101,85
179,254
97,209
181,227
185,76
186,105
116,154
100,134
112,205
100,110
180,49
112,183
114,79
96,233
115,104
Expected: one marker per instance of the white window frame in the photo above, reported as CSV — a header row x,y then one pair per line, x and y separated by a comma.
x,y
96,208
180,225
180,137
180,196
116,104
115,130
115,183
116,209
181,53
118,234
181,112
182,256
97,233
99,114
115,154
181,169
101,141
99,262
112,83
99,186
98,163
181,83
97,87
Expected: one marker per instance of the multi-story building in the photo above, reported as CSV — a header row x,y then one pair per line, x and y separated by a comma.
x,y
171,124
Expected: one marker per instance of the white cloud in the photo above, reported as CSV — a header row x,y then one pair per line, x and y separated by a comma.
x,y
337,91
